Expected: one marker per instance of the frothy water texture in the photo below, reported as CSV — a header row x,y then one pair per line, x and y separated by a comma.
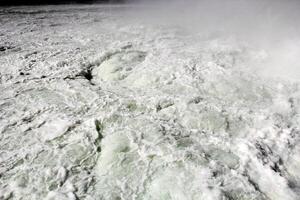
x,y
194,100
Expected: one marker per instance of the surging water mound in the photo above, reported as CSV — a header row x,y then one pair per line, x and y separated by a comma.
x,y
118,66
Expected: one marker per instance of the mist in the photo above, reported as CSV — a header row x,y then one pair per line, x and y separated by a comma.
x,y
270,27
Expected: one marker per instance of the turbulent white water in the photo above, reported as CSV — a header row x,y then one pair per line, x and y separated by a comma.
x,y
97,104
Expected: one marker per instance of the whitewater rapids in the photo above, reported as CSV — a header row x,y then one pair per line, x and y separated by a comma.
x,y
95,105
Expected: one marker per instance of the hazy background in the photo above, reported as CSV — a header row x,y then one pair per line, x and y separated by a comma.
x,y
270,25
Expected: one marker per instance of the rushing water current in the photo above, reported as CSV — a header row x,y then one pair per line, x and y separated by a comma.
x,y
96,104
